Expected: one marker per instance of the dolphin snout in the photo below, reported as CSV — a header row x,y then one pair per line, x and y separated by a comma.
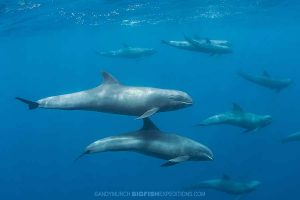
x,y
290,81
181,99
268,119
207,155
188,100
255,184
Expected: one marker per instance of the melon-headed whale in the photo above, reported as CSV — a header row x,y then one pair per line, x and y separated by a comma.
x,y
113,97
212,47
267,81
227,185
292,138
149,140
238,117
128,52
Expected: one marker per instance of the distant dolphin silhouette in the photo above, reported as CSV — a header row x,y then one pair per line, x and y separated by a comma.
x,y
267,81
149,140
128,52
227,185
113,97
212,47
238,117
292,138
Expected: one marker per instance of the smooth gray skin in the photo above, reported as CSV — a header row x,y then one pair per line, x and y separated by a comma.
x,y
227,185
292,138
213,47
238,117
150,141
267,81
113,97
129,52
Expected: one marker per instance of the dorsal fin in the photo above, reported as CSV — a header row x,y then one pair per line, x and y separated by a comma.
x,y
266,74
109,79
148,125
226,177
237,108
207,40
186,37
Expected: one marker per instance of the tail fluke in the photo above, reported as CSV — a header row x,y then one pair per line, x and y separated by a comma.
x,y
80,156
31,104
186,37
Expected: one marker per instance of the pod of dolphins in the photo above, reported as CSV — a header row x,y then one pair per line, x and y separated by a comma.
x,y
111,96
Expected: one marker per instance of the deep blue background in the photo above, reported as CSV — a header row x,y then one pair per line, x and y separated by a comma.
x,y
51,57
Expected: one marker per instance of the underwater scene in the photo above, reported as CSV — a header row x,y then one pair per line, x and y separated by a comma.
x,y
140,99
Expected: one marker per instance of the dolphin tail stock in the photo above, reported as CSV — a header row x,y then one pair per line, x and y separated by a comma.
x,y
199,125
99,53
81,155
284,140
241,73
164,42
245,75
103,53
31,104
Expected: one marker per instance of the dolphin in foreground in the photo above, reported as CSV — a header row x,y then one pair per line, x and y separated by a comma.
x,y
227,185
212,47
150,141
292,138
129,52
113,97
267,81
238,117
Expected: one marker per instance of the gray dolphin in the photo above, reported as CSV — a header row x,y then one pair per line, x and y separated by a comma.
x,y
149,140
227,185
211,47
267,81
207,46
292,138
238,117
113,97
129,52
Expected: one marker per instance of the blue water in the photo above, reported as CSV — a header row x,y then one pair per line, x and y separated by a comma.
x,y
47,48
